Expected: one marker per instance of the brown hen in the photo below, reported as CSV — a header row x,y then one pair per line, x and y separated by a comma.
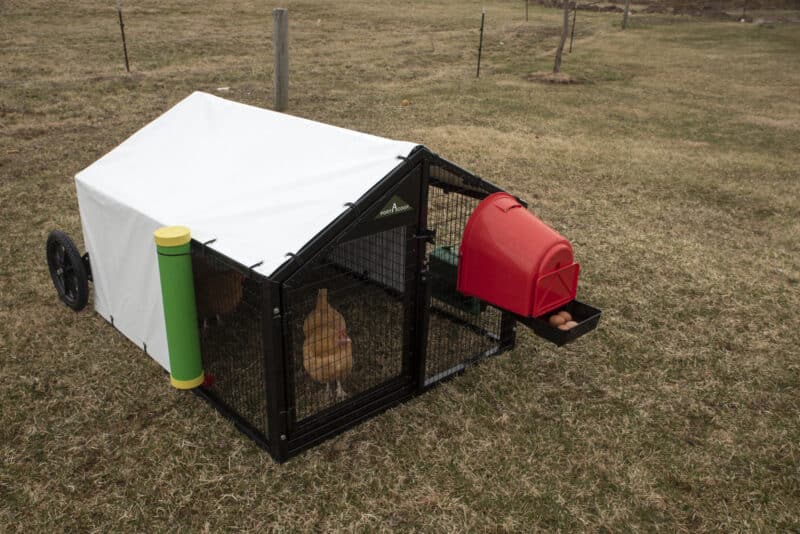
x,y
217,292
327,349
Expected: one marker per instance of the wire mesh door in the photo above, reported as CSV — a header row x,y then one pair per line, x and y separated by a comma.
x,y
350,317
229,310
461,329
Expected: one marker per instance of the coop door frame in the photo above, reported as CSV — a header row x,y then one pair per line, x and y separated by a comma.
x,y
288,435
450,179
286,438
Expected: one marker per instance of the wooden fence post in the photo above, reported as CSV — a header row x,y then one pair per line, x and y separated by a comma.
x,y
280,46
625,14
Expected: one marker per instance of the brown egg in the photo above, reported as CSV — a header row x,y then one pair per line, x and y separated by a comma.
x,y
570,324
563,326
566,315
556,320
405,102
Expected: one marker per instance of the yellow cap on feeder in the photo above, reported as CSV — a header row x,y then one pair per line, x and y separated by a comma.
x,y
172,236
187,384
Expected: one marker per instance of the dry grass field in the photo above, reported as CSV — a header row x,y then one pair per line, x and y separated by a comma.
x,y
674,166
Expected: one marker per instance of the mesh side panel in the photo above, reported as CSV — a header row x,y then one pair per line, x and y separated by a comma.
x,y
346,320
379,257
461,328
229,307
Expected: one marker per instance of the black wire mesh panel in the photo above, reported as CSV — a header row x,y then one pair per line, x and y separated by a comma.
x,y
229,313
461,329
347,315
378,257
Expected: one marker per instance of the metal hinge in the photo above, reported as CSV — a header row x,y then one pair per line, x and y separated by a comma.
x,y
424,276
427,235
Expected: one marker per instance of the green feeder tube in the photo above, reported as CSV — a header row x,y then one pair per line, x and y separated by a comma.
x,y
180,314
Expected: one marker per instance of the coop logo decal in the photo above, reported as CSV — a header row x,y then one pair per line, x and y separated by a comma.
x,y
395,206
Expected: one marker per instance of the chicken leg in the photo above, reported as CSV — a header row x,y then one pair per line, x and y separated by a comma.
x,y
340,392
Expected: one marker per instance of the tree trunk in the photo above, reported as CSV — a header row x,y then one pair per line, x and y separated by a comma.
x,y
625,14
564,33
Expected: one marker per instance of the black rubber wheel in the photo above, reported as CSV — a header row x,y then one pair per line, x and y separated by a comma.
x,y
67,270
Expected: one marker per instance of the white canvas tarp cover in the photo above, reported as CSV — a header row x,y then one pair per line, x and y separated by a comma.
x,y
260,183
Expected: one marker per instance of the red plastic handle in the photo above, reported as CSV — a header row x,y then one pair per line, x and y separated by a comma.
x,y
555,289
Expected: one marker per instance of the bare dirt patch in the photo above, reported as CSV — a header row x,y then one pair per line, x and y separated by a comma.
x,y
552,77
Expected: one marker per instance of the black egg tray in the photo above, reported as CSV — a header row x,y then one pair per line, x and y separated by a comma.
x,y
585,315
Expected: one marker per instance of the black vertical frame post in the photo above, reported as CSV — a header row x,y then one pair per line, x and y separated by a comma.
x,y
410,275
410,280
422,289
275,372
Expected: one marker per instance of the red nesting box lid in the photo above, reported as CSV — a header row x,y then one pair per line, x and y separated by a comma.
x,y
511,259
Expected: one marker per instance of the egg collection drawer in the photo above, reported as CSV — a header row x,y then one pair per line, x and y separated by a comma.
x,y
565,324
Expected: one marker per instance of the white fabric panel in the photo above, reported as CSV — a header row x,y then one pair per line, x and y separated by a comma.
x,y
126,283
259,182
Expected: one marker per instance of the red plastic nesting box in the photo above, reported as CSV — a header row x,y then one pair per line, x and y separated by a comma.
x,y
511,259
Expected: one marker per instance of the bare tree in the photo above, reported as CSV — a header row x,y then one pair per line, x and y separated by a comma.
x,y
626,13
564,33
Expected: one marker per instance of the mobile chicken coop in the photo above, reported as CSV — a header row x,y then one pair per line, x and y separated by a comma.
x,y
329,274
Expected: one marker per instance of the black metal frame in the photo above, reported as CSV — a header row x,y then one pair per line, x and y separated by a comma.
x,y
285,436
